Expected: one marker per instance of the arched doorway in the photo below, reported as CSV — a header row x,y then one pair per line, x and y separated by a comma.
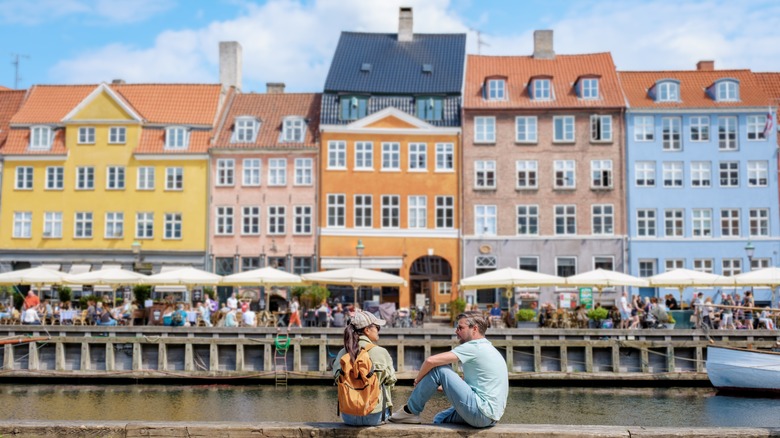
x,y
430,277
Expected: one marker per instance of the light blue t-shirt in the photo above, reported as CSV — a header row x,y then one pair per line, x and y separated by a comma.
x,y
484,370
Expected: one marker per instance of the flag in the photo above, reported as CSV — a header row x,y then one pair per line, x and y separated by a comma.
x,y
769,122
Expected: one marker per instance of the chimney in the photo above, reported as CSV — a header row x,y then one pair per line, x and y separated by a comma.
x,y
274,87
705,65
405,25
230,64
117,82
543,44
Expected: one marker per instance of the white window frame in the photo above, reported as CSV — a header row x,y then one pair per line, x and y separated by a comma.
x,y
496,89
644,128
115,225
144,225
445,212
224,220
699,128
293,129
559,264
277,220
730,267
644,174
728,133
117,135
391,211
82,225
245,130
526,129
250,220
564,129
602,219
86,135
755,127
672,174
445,157
336,210
174,178
485,175
565,219
701,174
304,172
417,211
671,134
22,225
24,178
337,155
145,178
526,174
226,172
601,176
668,91
302,219
251,172
277,172
418,157
41,137
728,174
542,89
115,178
672,264
391,157
730,222
701,222
758,222
727,91
600,128
363,211
646,222
364,155
589,88
485,220
674,222
52,225
527,220
564,174
703,265
177,138
55,178
485,129
85,178
172,226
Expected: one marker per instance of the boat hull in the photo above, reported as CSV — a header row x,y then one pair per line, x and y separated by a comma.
x,y
738,369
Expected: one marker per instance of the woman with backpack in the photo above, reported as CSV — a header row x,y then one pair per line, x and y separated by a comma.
x,y
363,364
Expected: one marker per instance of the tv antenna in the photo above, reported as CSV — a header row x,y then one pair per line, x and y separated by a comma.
x,y
17,60
480,41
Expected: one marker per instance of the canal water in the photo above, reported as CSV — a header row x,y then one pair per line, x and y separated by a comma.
x,y
598,406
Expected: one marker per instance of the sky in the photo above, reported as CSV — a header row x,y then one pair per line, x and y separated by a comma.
x,y
292,41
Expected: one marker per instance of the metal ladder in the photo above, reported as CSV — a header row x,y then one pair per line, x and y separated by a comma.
x,y
281,345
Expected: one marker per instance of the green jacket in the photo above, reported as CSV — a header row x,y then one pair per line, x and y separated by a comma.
x,y
383,364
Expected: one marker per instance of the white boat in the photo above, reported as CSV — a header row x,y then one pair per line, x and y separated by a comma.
x,y
741,369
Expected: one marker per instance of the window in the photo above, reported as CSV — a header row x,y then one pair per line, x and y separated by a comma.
x,y
177,137
117,135
702,222
250,263
527,220
645,222
391,156
336,210
760,263
701,174
418,212
353,107
729,222
528,263
485,264
302,265
563,128
418,157
672,173
729,173
225,172
727,91
250,220
445,157
364,211
337,155
589,88
603,219
644,128
527,174
245,130
224,221
647,268
52,224
293,130
541,89
115,225
727,133
40,137
145,177
251,168
484,129
302,219
303,171
24,178
645,173
485,220
703,265
55,178
444,308
495,89
364,155
22,224
731,267
445,212
277,172
565,220
115,178
670,133
755,127
759,222
668,92
700,128
565,176
430,108
601,174
87,135
758,173
600,128
484,174
172,226
565,266
604,262
85,178
174,178
671,264
525,129
391,211
83,225
444,287
674,223
277,217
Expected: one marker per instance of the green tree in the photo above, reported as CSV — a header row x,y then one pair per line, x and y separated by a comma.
x,y
142,292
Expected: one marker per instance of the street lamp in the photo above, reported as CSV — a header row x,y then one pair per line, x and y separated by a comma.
x,y
359,249
749,251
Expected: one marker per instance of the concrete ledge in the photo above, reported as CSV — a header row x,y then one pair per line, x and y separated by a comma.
x,y
34,429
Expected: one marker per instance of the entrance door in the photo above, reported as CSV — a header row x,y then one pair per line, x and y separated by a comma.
x,y
427,276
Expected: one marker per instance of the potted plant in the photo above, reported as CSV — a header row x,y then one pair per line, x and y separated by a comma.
x,y
670,321
525,318
457,306
597,316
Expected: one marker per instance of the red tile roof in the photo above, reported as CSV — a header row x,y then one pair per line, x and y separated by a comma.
x,y
19,140
50,103
10,101
271,109
770,82
190,104
693,86
564,71
153,142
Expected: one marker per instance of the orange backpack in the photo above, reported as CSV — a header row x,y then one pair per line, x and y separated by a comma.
x,y
358,385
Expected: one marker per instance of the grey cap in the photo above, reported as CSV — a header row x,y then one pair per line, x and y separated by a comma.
x,y
363,319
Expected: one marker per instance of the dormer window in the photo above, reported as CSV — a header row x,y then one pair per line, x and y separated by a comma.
x,y
541,89
353,107
589,88
40,137
245,130
430,108
668,91
293,129
727,91
177,137
496,89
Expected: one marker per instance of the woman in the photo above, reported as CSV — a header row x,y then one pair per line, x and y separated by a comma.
x,y
748,303
363,329
636,307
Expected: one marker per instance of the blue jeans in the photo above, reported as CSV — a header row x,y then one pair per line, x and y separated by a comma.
x,y
364,420
464,408
110,322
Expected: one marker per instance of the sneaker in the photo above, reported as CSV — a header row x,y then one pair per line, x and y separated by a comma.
x,y
401,416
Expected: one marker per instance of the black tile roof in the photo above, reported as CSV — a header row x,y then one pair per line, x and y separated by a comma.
x,y
397,67
331,110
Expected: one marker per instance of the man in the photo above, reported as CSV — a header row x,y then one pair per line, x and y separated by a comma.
x,y
31,317
232,302
625,311
480,397
31,300
698,309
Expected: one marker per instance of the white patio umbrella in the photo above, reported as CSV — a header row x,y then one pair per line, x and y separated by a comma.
x,y
113,277
33,276
769,277
184,276
506,278
682,278
601,278
267,276
354,277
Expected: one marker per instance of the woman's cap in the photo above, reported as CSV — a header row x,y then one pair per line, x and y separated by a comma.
x,y
363,319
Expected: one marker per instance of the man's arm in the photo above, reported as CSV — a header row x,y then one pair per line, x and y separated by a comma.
x,y
433,362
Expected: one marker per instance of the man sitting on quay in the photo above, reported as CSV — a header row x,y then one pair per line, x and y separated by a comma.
x,y
479,399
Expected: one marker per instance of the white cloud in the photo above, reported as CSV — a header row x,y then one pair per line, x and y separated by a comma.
x,y
31,12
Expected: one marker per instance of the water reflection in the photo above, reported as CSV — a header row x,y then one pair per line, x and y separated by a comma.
x,y
607,406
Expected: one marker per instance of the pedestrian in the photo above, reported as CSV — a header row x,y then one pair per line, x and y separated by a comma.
x,y
295,316
479,398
